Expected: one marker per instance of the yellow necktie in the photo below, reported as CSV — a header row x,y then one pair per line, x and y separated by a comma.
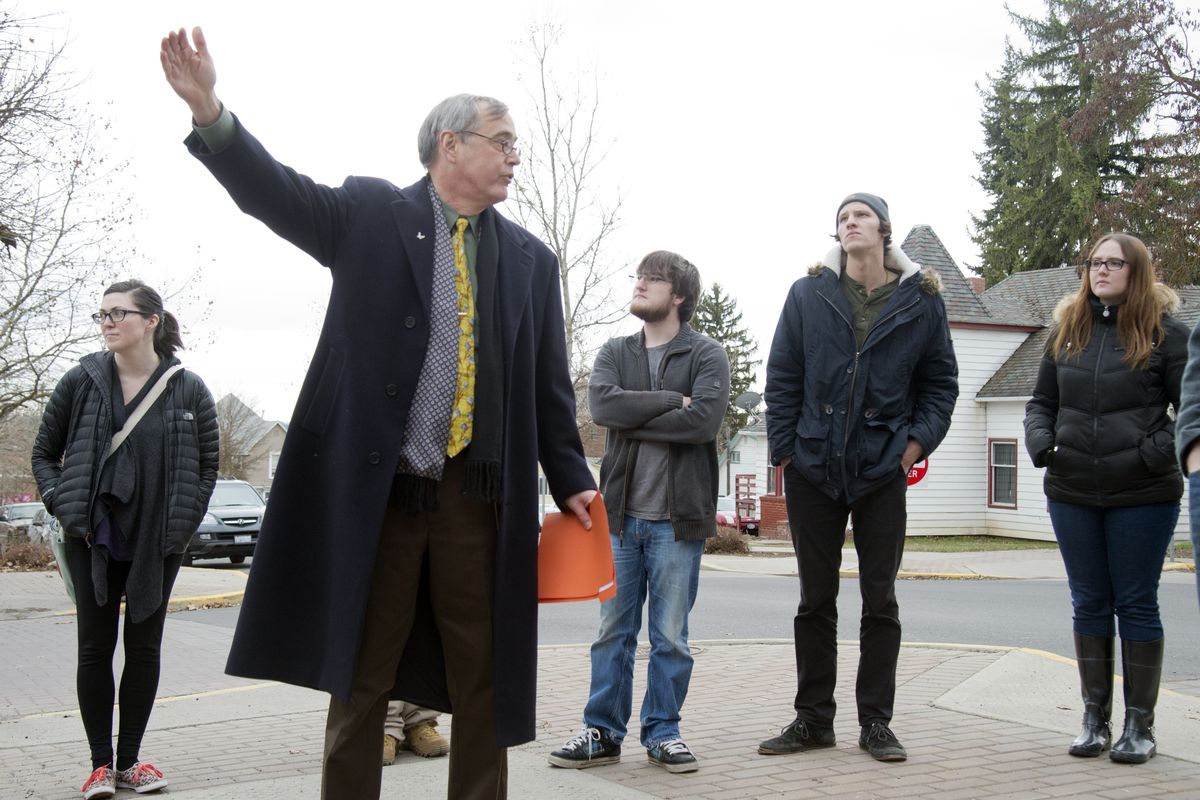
x,y
463,413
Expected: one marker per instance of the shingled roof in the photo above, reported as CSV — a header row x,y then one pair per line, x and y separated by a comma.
x,y
1033,295
923,246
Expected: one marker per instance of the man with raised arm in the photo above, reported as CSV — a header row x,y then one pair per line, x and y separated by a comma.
x,y
398,556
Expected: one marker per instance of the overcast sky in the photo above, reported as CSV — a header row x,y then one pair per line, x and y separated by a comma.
x,y
736,128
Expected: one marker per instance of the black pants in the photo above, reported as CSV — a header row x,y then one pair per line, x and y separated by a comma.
x,y
818,525
97,628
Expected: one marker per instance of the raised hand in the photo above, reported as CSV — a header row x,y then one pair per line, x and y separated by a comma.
x,y
191,73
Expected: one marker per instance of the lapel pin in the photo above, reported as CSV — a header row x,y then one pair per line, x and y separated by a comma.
x,y
420,235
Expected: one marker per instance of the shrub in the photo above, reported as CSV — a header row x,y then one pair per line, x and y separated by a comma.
x,y
29,556
727,542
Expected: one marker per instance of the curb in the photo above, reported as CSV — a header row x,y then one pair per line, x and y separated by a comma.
x,y
903,575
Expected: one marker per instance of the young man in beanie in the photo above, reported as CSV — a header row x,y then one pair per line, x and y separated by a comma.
x,y
662,394
861,382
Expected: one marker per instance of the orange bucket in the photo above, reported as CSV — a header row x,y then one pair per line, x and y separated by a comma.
x,y
573,563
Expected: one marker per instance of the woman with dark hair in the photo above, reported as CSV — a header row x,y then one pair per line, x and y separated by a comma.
x,y
1098,422
126,459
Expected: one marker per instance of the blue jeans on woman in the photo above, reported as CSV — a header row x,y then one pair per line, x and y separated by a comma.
x,y
1194,512
1114,559
648,562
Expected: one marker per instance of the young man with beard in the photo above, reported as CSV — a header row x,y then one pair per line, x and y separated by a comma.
x,y
861,382
662,394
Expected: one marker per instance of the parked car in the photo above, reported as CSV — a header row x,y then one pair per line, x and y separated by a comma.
x,y
20,515
230,528
731,515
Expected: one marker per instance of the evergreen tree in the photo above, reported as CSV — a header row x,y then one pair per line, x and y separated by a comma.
x,y
1092,128
717,316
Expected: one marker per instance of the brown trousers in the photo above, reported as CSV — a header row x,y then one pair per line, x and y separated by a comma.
x,y
460,542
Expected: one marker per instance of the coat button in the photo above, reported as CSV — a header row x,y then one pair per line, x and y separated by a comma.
x,y
410,322
391,390
373,457
828,409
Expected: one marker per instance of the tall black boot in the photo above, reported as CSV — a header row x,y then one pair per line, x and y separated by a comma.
x,y
1143,670
1095,657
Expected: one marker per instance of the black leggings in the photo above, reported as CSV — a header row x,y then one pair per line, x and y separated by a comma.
x,y
97,626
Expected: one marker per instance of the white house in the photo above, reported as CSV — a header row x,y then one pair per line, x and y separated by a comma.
x,y
979,480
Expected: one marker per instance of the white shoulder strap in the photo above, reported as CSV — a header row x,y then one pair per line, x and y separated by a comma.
x,y
159,387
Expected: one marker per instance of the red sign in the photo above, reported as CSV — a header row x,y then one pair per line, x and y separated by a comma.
x,y
917,471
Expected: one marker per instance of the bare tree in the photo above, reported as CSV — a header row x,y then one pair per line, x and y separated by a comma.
x,y
58,232
241,428
17,433
557,197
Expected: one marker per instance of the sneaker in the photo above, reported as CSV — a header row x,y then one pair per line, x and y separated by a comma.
x,y
390,745
796,738
424,740
591,747
672,755
141,777
878,740
102,783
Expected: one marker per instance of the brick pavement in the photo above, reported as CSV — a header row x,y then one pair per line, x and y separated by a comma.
x,y
220,736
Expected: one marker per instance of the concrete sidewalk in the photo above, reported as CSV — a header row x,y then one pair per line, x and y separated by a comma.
x,y
978,722
777,558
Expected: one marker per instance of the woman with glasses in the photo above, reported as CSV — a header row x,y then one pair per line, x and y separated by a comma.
x,y
1098,422
126,459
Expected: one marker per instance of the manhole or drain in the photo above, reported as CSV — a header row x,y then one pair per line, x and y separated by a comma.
x,y
643,651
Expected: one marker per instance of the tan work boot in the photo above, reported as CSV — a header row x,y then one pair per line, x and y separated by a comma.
x,y
390,745
424,740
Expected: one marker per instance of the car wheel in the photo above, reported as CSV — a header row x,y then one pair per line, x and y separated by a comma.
x,y
236,559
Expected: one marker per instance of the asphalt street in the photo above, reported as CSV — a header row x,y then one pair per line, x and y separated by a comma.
x,y
1026,613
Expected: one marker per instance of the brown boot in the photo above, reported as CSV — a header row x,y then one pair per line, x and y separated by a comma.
x,y
424,740
390,745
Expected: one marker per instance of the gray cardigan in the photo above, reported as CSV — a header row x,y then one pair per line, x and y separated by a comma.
x,y
1187,421
619,394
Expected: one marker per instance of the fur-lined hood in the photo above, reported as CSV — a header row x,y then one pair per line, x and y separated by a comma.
x,y
1164,297
894,259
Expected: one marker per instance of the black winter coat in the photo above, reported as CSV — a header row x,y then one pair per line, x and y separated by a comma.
x,y
72,445
1100,428
845,416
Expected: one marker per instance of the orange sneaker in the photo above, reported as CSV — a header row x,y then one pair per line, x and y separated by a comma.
x,y
101,783
141,777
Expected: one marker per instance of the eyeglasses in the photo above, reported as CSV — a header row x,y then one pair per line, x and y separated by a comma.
x,y
1113,264
116,315
650,279
507,146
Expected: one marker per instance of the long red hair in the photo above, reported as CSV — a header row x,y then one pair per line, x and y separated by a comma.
x,y
1139,322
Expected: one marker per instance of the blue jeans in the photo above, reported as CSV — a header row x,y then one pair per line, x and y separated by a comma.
x,y
1114,559
1194,510
648,562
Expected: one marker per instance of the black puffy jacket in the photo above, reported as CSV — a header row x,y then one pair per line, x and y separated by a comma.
x,y
844,416
76,431
1101,428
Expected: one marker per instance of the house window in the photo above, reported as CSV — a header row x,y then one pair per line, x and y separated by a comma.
x,y
1002,473
771,480
735,456
272,460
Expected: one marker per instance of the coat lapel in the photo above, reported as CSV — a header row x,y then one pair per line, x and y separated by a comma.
x,y
415,227
514,284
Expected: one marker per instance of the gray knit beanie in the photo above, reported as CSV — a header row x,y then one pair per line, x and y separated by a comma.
x,y
872,201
